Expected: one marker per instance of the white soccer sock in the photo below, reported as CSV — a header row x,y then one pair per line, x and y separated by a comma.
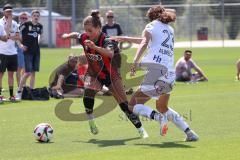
x,y
145,111
176,119
141,129
142,110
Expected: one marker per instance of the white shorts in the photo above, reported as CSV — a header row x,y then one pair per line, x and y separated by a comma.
x,y
155,84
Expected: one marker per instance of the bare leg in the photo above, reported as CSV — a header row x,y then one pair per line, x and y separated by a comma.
x,y
1,77
162,103
32,80
23,80
119,94
18,75
10,82
138,98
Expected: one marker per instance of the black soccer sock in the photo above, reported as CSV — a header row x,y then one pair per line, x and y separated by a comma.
x,y
187,130
130,115
11,91
0,90
152,115
88,104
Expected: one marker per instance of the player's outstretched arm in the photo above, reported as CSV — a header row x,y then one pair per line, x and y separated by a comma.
x,y
73,35
142,47
136,40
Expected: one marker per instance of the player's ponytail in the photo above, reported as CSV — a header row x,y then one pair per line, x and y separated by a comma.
x,y
160,13
93,20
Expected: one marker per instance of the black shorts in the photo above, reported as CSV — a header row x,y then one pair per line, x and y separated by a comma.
x,y
9,62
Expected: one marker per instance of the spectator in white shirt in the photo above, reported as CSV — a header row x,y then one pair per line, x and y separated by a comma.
x,y
184,68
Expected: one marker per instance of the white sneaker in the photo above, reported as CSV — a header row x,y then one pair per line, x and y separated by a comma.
x,y
143,133
163,125
19,96
2,99
191,136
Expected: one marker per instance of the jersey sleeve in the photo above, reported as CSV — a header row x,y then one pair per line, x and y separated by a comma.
x,y
79,38
23,27
149,28
104,30
113,45
192,64
107,43
119,30
41,29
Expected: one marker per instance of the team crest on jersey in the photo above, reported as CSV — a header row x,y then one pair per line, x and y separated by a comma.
x,y
94,57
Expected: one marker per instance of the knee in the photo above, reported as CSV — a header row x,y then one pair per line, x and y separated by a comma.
x,y
162,109
27,74
132,102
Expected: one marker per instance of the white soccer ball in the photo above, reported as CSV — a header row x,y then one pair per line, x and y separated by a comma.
x,y
43,132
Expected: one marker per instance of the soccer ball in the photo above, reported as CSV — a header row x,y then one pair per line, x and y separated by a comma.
x,y
43,132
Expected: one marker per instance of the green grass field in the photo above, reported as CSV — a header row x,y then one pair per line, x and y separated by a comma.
x,y
211,108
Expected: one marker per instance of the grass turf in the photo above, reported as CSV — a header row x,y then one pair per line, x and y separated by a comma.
x,y
211,108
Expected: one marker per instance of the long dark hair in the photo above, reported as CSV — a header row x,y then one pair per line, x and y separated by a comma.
x,y
159,12
93,19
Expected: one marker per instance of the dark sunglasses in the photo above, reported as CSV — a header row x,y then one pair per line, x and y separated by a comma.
x,y
110,16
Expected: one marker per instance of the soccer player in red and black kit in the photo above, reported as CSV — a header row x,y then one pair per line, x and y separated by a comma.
x,y
31,31
99,52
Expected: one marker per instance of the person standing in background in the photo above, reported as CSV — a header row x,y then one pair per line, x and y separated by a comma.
x,y
111,28
8,50
31,32
23,17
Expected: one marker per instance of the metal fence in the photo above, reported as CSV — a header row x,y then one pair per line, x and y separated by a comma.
x,y
196,21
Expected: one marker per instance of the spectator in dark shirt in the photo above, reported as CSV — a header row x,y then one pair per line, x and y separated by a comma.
x,y
111,28
31,32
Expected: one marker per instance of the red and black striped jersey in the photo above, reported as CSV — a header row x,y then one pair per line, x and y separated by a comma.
x,y
100,66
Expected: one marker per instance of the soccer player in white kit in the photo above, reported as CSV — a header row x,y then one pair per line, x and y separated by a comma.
x,y
158,37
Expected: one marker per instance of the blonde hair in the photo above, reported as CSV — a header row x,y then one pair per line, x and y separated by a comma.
x,y
23,13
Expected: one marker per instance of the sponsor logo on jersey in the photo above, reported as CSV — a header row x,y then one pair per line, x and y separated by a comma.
x,y
94,57
34,34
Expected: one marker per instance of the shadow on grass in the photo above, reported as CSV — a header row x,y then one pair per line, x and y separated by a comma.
x,y
167,145
37,142
108,143
120,142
